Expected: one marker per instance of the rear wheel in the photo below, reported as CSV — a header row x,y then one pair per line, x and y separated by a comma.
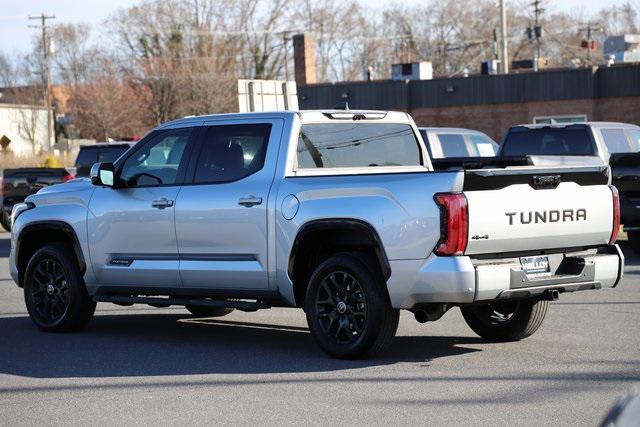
x,y
5,221
200,311
348,308
54,291
506,321
634,240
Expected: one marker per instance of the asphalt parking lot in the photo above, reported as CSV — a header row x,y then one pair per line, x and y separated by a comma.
x,y
143,365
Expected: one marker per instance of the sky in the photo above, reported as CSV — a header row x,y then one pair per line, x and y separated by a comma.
x,y
16,36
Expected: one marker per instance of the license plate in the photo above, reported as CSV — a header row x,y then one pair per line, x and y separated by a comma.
x,y
535,264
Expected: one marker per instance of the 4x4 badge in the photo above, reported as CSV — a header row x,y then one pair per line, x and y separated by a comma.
x,y
476,237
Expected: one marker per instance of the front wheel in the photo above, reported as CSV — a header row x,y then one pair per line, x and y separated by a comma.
x,y
348,308
54,291
506,321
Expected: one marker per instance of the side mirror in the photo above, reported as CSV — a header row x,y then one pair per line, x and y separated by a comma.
x,y
102,174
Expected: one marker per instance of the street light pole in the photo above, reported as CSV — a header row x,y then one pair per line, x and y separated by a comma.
x,y
504,38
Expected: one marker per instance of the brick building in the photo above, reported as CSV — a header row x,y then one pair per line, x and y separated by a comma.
x,y
492,103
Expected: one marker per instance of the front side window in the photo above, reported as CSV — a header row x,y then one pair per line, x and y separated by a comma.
x,y
615,140
232,152
158,161
342,145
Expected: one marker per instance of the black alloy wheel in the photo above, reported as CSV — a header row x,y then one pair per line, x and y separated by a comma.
x,y
341,307
348,307
54,290
49,292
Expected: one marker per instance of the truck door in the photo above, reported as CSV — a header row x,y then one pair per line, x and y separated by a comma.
x,y
221,215
131,230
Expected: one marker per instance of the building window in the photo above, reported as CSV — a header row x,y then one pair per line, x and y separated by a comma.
x,y
572,118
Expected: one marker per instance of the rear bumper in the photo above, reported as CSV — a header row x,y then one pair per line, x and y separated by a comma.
x,y
464,280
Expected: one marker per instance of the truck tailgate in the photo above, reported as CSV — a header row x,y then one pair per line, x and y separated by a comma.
x,y
527,209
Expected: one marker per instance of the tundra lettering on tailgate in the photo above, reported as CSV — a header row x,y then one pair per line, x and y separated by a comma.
x,y
536,217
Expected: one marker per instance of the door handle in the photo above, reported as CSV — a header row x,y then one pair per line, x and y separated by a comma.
x,y
249,201
162,203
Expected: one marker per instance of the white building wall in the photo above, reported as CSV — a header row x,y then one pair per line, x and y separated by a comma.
x,y
17,122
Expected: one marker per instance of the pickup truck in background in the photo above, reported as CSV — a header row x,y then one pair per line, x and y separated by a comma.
x,y
17,184
88,155
337,212
615,144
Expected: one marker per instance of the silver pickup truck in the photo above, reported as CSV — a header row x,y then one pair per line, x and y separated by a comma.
x,y
337,212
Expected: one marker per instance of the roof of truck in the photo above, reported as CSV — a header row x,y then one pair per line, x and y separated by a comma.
x,y
305,115
561,125
450,130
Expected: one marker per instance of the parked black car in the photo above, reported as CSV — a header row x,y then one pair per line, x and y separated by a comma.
x,y
17,184
97,153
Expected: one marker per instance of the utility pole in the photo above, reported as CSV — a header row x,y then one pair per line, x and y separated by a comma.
x,y
503,36
589,43
46,74
537,29
285,41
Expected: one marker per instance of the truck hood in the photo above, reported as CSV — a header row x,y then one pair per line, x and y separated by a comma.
x,y
78,184
567,160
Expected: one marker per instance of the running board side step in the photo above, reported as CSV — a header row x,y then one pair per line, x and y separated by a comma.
x,y
166,302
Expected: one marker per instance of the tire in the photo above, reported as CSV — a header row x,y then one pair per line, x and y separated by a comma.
x,y
634,240
5,221
506,321
200,311
54,291
348,309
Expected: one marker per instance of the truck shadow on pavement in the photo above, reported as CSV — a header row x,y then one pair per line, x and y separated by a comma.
x,y
175,344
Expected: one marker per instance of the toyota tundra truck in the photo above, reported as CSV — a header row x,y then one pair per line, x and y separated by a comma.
x,y
337,212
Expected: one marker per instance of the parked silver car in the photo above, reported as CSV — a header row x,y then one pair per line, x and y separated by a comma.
x,y
457,142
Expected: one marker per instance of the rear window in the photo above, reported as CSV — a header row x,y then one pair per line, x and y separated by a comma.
x,y
359,144
111,154
89,156
548,142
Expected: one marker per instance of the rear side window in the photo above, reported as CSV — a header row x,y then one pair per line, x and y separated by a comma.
x,y
634,134
548,142
615,140
335,145
484,146
453,145
232,152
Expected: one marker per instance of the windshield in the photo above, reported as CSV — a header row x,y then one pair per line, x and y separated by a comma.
x,y
548,142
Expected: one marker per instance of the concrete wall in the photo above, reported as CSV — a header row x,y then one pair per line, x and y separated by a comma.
x,y
21,122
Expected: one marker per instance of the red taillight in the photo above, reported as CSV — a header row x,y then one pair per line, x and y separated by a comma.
x,y
67,177
616,215
454,224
